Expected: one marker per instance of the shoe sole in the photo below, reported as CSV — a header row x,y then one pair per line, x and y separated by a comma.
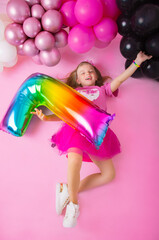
x,y
68,226
71,226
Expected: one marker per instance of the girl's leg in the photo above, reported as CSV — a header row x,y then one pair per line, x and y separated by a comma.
x,y
106,175
73,177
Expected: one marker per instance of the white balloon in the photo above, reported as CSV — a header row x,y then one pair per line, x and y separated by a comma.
x,y
12,63
1,67
2,28
8,52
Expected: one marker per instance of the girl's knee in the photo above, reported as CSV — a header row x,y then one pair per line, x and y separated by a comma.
x,y
112,173
74,161
108,175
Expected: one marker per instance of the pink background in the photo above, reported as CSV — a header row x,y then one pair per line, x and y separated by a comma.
x,y
127,208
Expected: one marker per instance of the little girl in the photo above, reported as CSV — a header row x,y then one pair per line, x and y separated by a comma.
x,y
87,80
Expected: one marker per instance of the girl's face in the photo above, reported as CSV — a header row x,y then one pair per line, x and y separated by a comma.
x,y
86,75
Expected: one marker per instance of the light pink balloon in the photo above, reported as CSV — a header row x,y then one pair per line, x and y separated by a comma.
x,y
110,9
31,27
36,59
81,38
67,11
52,21
14,34
29,48
20,50
44,41
50,58
37,11
51,4
99,44
18,10
106,30
61,38
32,2
88,12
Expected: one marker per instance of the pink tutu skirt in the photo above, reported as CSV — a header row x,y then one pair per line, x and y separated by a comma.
x,y
67,137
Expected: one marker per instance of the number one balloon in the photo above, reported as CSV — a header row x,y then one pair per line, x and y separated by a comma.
x,y
65,102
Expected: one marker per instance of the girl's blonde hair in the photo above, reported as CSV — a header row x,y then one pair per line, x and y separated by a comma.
x,y
71,79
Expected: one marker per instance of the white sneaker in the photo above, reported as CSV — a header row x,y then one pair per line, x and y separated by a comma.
x,y
72,213
62,197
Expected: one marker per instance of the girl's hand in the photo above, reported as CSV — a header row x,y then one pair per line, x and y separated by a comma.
x,y
141,57
39,114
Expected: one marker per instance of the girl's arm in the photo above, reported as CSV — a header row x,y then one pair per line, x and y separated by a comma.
x,y
141,57
44,117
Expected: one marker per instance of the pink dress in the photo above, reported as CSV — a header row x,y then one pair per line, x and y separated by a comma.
x,y
67,137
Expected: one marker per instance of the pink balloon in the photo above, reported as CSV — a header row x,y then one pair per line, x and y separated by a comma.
x,y
50,58
32,2
99,44
63,1
61,38
36,59
37,11
52,21
44,41
18,10
88,12
31,27
20,50
81,39
110,9
51,4
106,30
14,34
67,11
29,48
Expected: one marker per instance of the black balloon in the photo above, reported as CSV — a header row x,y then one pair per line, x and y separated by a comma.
x,y
124,25
138,73
150,68
124,6
137,3
155,2
128,6
129,47
152,45
145,20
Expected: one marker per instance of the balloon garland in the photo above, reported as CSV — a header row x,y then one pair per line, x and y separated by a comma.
x,y
139,26
96,24
72,107
38,28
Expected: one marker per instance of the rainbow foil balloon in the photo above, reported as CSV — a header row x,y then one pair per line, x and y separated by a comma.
x,y
69,105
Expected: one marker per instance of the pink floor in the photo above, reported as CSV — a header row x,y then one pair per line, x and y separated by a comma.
x,y
127,208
